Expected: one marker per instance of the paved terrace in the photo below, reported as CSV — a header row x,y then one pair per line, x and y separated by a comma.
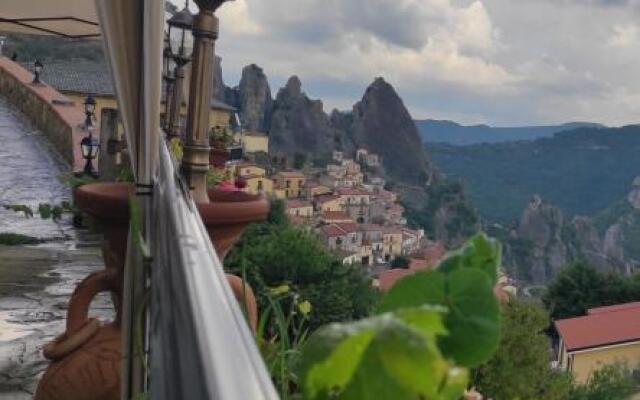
x,y
40,143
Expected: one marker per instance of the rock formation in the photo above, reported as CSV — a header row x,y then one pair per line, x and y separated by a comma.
x,y
382,124
254,98
299,124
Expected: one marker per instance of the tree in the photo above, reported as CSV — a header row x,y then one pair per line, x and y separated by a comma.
x,y
611,382
401,262
299,159
520,369
276,253
580,287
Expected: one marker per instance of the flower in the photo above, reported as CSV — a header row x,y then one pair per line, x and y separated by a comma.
x,y
305,307
278,290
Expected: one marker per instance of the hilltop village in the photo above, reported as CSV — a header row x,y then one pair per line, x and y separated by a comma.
x,y
347,202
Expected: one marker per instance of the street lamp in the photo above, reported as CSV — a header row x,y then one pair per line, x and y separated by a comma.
x,y
168,67
37,70
90,149
89,111
180,47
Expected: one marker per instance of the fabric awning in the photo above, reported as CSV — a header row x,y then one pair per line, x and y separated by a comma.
x,y
66,18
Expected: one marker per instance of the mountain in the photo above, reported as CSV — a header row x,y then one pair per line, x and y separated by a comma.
x,y
456,134
581,171
299,124
382,124
544,241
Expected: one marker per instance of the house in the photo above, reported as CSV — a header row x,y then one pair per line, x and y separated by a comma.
x,y
313,189
76,79
392,242
336,171
258,184
291,183
254,142
367,158
350,166
328,202
246,169
338,156
299,208
343,236
604,336
352,196
411,241
348,257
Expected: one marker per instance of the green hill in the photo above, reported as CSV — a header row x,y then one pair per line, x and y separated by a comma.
x,y
582,171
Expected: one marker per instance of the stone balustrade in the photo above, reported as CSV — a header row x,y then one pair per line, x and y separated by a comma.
x,y
61,121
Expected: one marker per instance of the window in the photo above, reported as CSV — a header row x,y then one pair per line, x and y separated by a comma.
x,y
288,184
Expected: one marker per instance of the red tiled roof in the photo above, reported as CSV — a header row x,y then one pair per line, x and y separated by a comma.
x,y
601,328
297,203
336,216
324,198
387,279
353,192
348,227
333,230
617,307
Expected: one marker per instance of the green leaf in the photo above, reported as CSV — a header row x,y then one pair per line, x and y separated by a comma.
x,y
384,357
422,288
473,320
480,252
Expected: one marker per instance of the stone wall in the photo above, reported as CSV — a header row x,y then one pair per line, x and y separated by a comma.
x,y
60,123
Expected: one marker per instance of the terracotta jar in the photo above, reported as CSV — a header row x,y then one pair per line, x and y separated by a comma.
x,y
228,214
108,204
86,358
247,299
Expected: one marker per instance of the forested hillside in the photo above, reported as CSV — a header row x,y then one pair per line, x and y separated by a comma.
x,y
450,132
582,171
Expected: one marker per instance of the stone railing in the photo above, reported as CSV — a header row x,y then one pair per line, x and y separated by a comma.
x,y
59,120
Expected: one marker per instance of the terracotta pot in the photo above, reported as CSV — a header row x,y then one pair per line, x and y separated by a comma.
x,y
247,299
228,214
218,157
108,204
87,357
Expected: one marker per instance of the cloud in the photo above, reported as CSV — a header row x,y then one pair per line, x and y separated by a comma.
x,y
625,36
493,61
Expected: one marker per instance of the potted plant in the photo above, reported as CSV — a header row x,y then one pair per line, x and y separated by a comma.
x,y
219,139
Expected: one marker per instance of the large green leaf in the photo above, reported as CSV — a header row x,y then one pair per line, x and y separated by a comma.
x,y
422,288
473,320
384,357
480,252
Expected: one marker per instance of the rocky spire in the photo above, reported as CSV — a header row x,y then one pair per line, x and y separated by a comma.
x,y
254,97
382,124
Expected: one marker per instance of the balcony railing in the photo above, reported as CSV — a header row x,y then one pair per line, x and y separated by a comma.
x,y
200,346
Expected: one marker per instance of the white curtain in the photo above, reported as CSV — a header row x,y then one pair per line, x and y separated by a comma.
x,y
133,37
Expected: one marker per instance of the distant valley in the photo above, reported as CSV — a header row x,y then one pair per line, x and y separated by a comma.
x,y
453,133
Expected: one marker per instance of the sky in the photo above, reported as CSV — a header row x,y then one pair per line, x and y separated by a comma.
x,y
500,62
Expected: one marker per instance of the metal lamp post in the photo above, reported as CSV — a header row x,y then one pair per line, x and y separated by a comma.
x,y
167,68
195,162
37,70
180,46
89,111
89,145
90,149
